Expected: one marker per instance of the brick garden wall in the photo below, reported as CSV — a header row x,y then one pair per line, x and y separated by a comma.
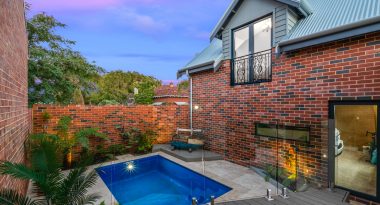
x,y
14,115
164,120
171,99
302,85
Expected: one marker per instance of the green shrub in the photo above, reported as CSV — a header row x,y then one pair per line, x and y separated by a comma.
x,y
109,102
82,137
145,142
117,149
138,141
66,141
46,116
101,154
131,137
63,127
50,184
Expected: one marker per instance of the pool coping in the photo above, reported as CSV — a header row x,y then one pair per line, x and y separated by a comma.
x,y
171,161
232,195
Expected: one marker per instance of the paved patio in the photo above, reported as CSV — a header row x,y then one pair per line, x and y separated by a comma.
x,y
185,155
248,187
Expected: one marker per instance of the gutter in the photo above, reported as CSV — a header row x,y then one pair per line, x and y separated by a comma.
x,y
197,66
331,31
186,70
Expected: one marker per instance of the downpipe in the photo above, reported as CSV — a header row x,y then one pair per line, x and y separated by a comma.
x,y
191,99
191,114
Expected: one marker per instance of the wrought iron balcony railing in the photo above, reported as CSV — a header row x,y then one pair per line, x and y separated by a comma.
x,y
253,68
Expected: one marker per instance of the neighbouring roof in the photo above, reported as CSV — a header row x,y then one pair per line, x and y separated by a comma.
x,y
210,58
170,91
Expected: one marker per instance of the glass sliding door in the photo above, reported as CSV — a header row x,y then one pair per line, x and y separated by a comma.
x,y
356,147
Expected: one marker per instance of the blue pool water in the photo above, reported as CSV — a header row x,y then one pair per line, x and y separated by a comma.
x,y
159,181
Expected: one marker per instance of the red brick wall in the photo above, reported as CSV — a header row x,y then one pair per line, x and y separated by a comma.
x,y
303,83
164,120
171,99
14,117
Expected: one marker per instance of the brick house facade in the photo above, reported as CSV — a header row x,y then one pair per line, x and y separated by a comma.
x,y
283,64
14,114
303,83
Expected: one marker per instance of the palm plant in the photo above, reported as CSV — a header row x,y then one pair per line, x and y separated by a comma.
x,y
66,140
50,185
11,197
82,137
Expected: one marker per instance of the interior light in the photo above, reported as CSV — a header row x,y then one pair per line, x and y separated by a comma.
x,y
324,156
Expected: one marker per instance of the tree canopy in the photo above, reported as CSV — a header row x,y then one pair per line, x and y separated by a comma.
x,y
60,75
56,71
183,85
117,86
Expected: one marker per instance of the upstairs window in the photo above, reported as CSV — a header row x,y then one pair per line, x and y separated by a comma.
x,y
252,45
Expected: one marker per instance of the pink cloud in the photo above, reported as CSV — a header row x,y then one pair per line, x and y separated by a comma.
x,y
145,2
48,5
142,22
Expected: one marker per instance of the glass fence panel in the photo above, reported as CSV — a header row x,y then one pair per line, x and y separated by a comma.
x,y
264,162
238,159
293,162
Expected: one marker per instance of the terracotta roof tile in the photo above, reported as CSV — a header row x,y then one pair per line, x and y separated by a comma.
x,y
170,91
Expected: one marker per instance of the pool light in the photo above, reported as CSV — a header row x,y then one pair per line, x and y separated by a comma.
x,y
130,166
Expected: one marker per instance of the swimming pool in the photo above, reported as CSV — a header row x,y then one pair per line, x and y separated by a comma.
x,y
159,181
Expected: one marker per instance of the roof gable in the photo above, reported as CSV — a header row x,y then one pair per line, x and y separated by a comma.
x,y
302,8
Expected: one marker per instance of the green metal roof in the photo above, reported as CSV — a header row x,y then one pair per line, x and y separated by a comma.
x,y
209,58
320,18
328,14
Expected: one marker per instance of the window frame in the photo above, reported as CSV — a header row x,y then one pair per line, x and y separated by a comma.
x,y
286,127
250,25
